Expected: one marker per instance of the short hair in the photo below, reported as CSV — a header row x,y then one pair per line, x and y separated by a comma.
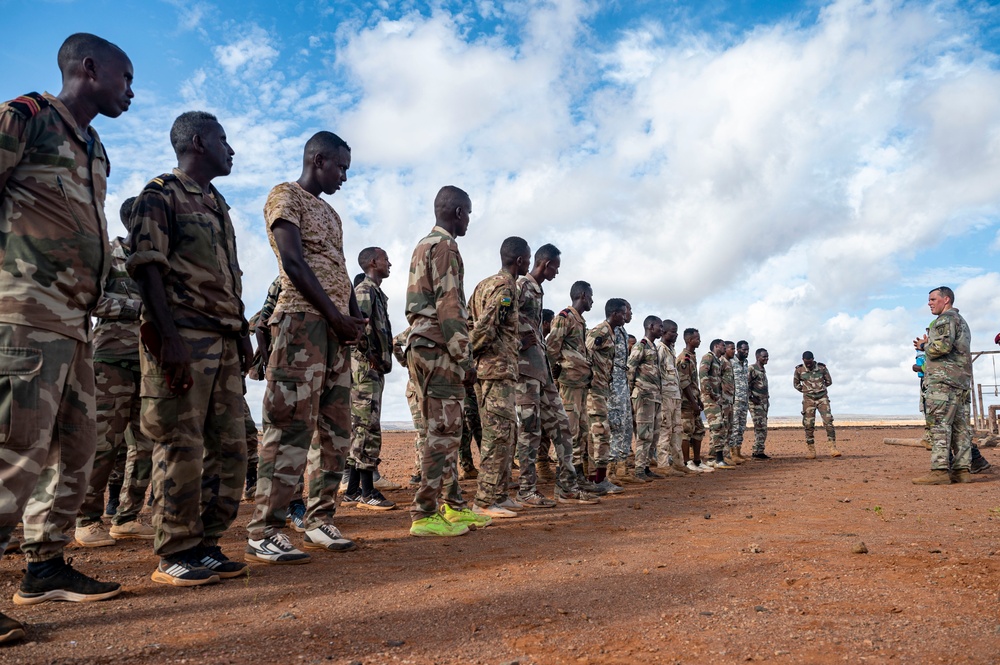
x,y
615,305
648,322
807,355
186,127
125,212
323,143
729,343
367,255
756,354
547,252
547,315
743,342
667,323
579,289
448,198
690,332
945,293
513,248
631,336
360,277
714,342
82,45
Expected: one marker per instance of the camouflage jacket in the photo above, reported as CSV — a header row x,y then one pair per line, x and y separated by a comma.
x,y
435,297
757,384
621,388
601,350
494,333
948,359
687,375
399,347
375,347
54,252
187,234
566,347
669,379
711,369
116,334
258,323
812,383
643,367
531,362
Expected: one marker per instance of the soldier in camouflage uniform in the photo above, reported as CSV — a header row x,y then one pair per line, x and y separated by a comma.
x,y
669,453
947,390
812,379
718,404
600,344
760,402
53,262
620,410
495,343
196,348
741,401
646,384
691,404
117,374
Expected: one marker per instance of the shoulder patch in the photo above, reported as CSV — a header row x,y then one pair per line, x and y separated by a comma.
x,y
157,183
29,105
820,365
799,366
564,313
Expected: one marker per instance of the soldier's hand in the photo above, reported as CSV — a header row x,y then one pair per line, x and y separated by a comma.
x,y
348,329
470,378
919,343
246,354
175,358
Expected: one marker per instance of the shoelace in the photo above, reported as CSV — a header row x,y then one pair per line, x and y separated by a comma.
x,y
282,541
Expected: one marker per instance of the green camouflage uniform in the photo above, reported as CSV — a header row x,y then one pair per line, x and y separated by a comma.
x,y
741,401
601,350
646,383
718,405
759,404
54,260
812,384
371,360
668,447
399,351
199,453
947,386
438,356
687,375
117,380
495,345
566,348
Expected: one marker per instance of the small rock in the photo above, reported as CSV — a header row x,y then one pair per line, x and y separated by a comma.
x,y
755,548
708,516
760,608
860,548
511,662
636,506
395,643
706,614
286,615
935,551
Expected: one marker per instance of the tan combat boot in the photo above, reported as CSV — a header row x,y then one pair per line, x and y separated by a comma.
x,y
935,477
961,476
612,472
737,455
833,449
810,451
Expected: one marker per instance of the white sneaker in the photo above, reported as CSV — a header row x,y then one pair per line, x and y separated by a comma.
x,y
386,485
276,549
694,467
326,537
93,535
511,504
495,511
705,468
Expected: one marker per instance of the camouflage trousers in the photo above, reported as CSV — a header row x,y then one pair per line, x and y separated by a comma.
x,y
253,439
600,429
540,409
117,476
693,433
472,429
367,385
438,381
809,407
739,424
668,446
575,404
47,436
946,410
648,417
620,419
720,419
499,418
759,414
118,409
418,424
199,447
307,422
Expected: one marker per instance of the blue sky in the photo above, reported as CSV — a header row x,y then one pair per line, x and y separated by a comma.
x,y
797,174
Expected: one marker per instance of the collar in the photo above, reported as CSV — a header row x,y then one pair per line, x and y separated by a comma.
x,y
70,121
531,278
443,231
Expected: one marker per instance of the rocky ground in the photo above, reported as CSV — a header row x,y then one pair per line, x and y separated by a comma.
x,y
757,564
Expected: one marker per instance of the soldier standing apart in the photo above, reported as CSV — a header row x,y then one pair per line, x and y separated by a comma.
x,y
947,390
759,402
117,374
620,410
812,379
54,260
646,383
307,404
371,360
440,361
691,404
495,344
741,401
668,447
196,347
718,408
600,345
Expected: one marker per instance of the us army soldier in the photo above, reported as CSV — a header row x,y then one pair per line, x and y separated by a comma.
x,y
812,379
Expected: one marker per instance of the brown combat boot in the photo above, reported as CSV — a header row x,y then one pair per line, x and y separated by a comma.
x,y
738,458
810,451
613,472
468,473
833,449
935,477
961,476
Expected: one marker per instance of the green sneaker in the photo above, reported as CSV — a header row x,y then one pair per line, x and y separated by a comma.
x,y
436,525
465,516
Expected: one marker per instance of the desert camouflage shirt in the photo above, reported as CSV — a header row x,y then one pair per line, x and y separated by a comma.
x,y
116,334
566,346
669,379
187,234
531,362
711,369
54,252
757,384
435,297
643,366
376,342
601,349
948,359
812,383
687,375
741,369
494,333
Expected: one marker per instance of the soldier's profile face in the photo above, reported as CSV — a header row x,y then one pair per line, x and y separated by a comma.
x,y
334,171
617,318
656,329
382,265
216,150
113,86
552,268
762,358
462,213
670,335
628,313
588,301
730,351
936,302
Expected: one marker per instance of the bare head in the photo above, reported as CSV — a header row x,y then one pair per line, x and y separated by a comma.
x,y
325,161
452,207
198,139
97,73
940,300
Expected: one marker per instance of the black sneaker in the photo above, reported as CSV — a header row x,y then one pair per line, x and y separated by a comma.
x,y
297,516
113,503
761,456
67,584
184,571
979,465
349,500
10,629
213,559
375,502
654,474
415,480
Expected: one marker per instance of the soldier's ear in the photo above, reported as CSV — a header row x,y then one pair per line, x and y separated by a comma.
x,y
197,144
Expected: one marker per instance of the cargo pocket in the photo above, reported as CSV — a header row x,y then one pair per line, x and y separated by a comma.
x,y
19,370
159,407
287,400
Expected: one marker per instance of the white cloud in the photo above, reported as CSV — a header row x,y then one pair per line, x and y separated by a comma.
x,y
254,51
